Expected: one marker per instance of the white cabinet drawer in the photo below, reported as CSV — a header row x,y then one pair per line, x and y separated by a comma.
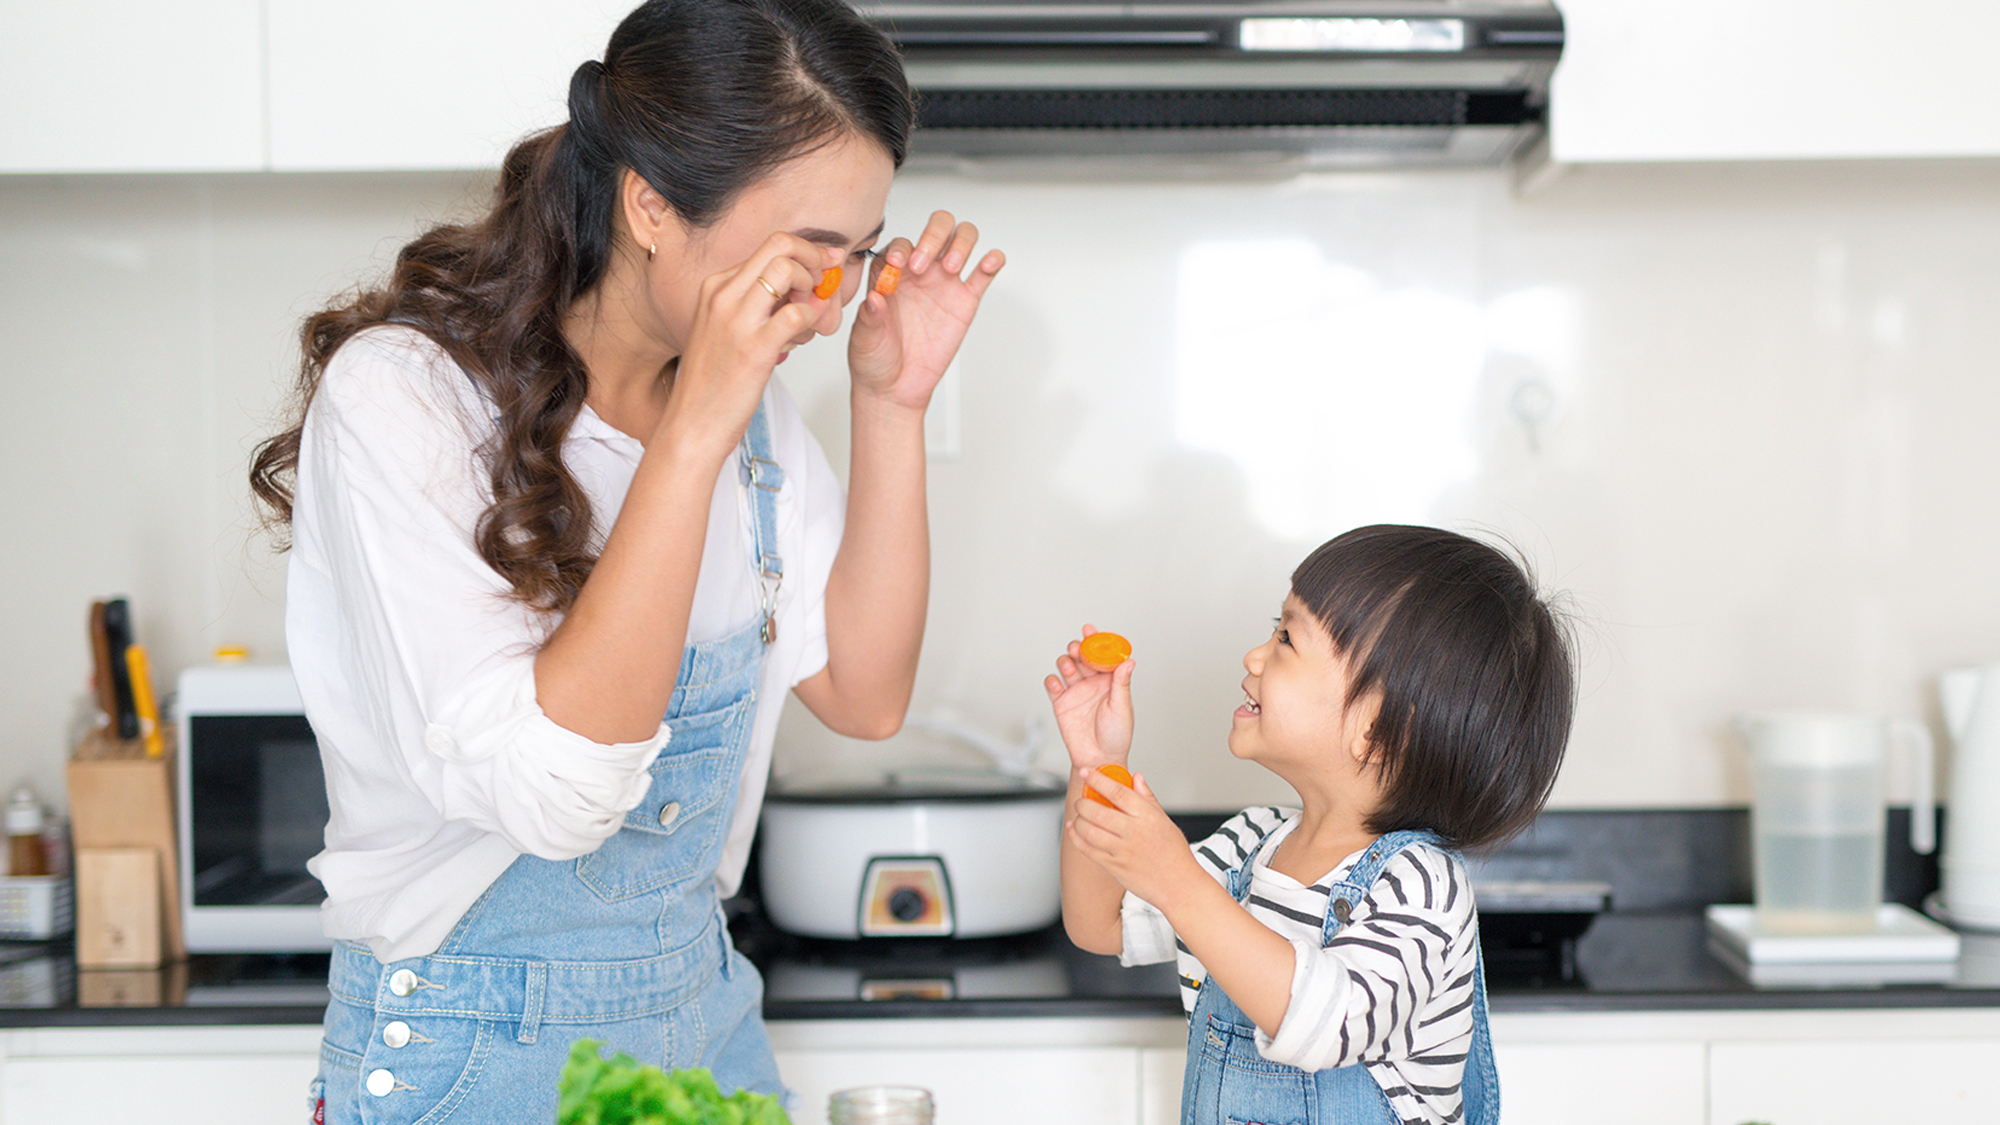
x,y
1851,1082
995,1086
1577,1083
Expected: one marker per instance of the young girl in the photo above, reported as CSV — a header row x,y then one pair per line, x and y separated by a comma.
x,y
561,545
1417,694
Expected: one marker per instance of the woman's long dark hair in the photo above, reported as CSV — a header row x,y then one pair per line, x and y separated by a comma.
x,y
701,98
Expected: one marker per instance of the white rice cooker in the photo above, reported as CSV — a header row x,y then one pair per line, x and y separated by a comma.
x,y
922,851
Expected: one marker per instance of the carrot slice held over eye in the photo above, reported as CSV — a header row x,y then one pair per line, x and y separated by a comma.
x,y
885,282
828,283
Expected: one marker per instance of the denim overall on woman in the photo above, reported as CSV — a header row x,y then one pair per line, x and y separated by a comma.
x,y
626,944
1227,1081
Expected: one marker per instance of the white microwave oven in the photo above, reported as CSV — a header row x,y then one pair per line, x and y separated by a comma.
x,y
252,809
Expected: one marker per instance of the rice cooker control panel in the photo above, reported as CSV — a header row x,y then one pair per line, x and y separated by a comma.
x,y
906,896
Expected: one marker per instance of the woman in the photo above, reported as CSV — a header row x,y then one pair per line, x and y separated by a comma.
x,y
542,491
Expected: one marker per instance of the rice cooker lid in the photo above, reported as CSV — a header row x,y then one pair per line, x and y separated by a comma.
x,y
911,785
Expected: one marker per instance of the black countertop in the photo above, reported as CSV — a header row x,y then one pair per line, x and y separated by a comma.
x,y
1650,952
1632,962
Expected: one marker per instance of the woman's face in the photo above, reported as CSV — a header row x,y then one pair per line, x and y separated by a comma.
x,y
832,197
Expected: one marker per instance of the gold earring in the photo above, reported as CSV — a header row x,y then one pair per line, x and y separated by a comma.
x,y
652,250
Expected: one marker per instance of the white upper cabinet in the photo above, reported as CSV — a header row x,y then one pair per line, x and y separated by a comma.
x,y
304,85
414,84
1647,80
132,87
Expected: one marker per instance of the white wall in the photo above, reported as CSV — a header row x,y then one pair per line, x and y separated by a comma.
x,y
1742,414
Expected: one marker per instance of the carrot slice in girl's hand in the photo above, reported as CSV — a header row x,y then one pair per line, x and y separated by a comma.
x,y
1115,772
1105,651
885,282
828,283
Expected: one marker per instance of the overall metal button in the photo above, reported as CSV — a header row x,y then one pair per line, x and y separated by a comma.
x,y
396,1034
402,982
380,1082
669,812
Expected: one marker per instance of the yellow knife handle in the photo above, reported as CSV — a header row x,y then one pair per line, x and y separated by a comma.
x,y
142,700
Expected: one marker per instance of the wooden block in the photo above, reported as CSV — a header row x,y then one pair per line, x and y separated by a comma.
x,y
164,987
120,798
118,988
117,908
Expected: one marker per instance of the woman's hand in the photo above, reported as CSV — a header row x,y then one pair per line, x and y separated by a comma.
x,y
902,342
1093,708
745,319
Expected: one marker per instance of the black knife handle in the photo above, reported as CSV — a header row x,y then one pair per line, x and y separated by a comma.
x,y
118,630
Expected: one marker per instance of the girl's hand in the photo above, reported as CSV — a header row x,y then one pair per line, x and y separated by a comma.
x,y
902,342
744,320
1132,838
1093,708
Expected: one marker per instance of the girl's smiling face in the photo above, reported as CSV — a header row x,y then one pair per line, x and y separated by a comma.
x,y
1295,718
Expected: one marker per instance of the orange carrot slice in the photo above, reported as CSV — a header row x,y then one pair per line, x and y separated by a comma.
x,y
1117,773
1105,651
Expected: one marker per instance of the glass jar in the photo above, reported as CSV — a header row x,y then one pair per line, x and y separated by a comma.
x,y
25,854
880,1105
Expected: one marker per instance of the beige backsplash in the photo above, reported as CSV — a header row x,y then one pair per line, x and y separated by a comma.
x,y
1743,416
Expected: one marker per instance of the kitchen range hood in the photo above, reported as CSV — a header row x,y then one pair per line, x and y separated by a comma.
x,y
1296,82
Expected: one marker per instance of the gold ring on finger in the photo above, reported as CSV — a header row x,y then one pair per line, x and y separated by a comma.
x,y
770,288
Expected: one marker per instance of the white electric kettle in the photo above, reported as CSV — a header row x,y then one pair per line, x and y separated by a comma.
x,y
1971,863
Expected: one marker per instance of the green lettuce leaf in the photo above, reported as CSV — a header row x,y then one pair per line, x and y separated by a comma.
x,y
623,1091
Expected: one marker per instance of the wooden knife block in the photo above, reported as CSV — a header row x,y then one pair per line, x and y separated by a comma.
x,y
121,806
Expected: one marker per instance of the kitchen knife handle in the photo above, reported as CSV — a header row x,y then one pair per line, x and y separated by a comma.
x,y
118,628
142,700
100,652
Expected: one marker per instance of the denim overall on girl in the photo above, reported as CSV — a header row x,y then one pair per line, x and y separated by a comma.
x,y
626,944
1227,1081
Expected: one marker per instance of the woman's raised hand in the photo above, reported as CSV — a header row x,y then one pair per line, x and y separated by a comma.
x,y
903,341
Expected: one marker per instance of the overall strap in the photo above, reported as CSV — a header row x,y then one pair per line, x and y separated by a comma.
x,y
1351,890
1480,1091
1237,879
762,474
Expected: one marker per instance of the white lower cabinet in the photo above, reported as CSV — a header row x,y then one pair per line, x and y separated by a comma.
x,y
1573,1083
991,1071
1160,1070
1852,1083
1557,1070
159,1075
1801,1067
1796,1067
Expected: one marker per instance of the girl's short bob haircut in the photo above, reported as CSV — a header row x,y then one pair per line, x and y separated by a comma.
x,y
1475,671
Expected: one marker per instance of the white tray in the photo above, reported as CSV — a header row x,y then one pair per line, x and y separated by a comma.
x,y
1834,974
1901,936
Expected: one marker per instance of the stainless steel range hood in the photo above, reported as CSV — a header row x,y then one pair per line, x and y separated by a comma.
x,y
1201,82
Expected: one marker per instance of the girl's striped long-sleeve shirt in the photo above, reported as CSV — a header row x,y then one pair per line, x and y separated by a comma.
x,y
1393,990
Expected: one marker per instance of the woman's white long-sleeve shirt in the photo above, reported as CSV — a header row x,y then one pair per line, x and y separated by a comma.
x,y
417,667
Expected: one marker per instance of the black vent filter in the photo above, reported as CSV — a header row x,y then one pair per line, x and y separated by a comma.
x,y
1217,109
